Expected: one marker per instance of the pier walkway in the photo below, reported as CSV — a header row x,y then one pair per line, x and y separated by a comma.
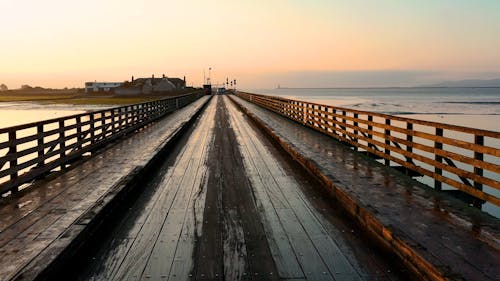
x,y
225,190
228,206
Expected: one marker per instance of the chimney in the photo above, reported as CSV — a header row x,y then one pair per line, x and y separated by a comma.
x,y
132,78
153,76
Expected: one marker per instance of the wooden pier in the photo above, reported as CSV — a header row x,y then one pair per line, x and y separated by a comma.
x,y
223,188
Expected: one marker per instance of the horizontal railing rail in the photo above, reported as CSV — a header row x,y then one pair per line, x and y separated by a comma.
x,y
30,151
462,158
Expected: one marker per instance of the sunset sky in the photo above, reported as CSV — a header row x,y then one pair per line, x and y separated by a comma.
x,y
61,43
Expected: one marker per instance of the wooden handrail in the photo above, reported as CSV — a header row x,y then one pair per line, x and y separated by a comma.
x,y
453,156
55,143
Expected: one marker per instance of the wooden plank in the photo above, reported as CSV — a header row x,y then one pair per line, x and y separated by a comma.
x,y
311,238
153,252
310,260
193,181
234,246
283,254
300,241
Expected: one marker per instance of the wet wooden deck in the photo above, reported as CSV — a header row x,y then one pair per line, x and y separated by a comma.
x,y
36,226
226,203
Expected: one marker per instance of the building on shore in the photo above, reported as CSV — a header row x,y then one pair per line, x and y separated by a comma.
x,y
151,85
96,87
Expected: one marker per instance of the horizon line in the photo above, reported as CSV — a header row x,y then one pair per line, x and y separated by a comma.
x,y
400,87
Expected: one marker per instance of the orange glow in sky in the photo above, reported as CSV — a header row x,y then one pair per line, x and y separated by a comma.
x,y
60,43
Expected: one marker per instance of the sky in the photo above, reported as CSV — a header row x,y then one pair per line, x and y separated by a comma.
x,y
295,43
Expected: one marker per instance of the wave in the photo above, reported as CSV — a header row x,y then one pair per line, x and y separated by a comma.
x,y
471,102
433,113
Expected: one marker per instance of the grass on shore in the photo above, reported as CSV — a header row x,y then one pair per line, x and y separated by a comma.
x,y
78,99
16,98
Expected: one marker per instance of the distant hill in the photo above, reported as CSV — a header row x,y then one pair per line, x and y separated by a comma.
x,y
468,83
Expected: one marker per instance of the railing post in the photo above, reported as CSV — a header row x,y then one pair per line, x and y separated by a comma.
x,y
438,158
113,121
409,138
355,123
13,162
92,129
334,121
62,143
304,107
314,114
127,116
479,140
140,113
79,131
39,144
135,114
387,151
121,114
162,107
344,135
293,108
370,127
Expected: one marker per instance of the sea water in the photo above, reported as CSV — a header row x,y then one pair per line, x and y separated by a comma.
x,y
18,113
402,101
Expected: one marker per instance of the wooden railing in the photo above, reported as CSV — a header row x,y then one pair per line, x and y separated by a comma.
x,y
462,158
30,151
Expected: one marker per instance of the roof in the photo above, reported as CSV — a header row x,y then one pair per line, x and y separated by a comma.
x,y
176,80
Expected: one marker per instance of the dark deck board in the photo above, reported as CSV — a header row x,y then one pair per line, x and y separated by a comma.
x,y
167,232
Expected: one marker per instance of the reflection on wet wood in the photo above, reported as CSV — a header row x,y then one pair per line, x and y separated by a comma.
x,y
289,218
164,243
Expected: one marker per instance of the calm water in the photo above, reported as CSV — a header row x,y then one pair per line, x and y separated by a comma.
x,y
397,101
12,113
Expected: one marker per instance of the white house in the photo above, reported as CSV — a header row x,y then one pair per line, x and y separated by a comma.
x,y
101,86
